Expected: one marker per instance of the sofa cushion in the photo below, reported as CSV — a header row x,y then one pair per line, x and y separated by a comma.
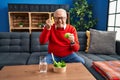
x,y
88,40
14,42
35,44
102,57
16,58
34,57
82,40
102,42
108,69
36,48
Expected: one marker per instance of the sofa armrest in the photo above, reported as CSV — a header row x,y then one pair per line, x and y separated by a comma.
x,y
118,47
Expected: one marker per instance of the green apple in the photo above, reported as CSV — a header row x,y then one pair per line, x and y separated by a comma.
x,y
67,35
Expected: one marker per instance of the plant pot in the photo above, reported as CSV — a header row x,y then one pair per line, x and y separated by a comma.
x,y
59,70
39,26
21,25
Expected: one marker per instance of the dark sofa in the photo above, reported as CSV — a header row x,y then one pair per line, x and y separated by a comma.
x,y
23,48
14,48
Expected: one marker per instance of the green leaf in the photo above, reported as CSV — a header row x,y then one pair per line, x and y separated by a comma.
x,y
81,14
59,64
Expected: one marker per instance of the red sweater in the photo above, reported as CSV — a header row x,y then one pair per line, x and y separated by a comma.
x,y
58,44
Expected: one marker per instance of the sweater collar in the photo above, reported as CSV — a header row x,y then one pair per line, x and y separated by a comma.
x,y
63,27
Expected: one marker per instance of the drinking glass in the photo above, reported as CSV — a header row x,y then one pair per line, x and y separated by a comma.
x,y
42,64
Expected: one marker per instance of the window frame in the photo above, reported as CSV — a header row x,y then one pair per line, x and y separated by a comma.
x,y
113,19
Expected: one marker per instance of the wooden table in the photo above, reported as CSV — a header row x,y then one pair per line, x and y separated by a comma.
x,y
75,71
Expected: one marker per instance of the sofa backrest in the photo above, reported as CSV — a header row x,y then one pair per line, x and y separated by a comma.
x,y
36,47
14,42
35,44
25,42
82,40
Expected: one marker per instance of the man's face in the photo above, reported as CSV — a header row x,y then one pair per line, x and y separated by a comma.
x,y
60,19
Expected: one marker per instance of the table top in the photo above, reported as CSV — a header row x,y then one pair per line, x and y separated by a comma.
x,y
75,71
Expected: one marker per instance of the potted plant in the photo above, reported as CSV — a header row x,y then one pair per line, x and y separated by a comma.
x,y
41,25
81,15
21,24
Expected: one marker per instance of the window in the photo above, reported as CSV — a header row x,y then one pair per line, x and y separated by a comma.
x,y
114,17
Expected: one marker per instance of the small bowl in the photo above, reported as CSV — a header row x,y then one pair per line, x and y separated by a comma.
x,y
59,70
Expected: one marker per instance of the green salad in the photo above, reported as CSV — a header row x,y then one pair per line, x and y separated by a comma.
x,y
59,64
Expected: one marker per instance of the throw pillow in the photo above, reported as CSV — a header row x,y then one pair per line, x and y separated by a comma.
x,y
88,40
102,42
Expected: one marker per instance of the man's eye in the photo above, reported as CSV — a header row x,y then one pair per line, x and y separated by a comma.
x,y
60,18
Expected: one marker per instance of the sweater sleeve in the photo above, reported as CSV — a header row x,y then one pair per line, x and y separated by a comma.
x,y
75,47
44,37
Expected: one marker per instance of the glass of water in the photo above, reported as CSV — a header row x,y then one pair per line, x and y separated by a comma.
x,y
42,64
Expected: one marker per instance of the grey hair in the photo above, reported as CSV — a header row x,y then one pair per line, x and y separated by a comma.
x,y
60,9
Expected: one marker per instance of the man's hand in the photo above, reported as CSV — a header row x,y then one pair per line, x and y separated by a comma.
x,y
48,24
71,38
